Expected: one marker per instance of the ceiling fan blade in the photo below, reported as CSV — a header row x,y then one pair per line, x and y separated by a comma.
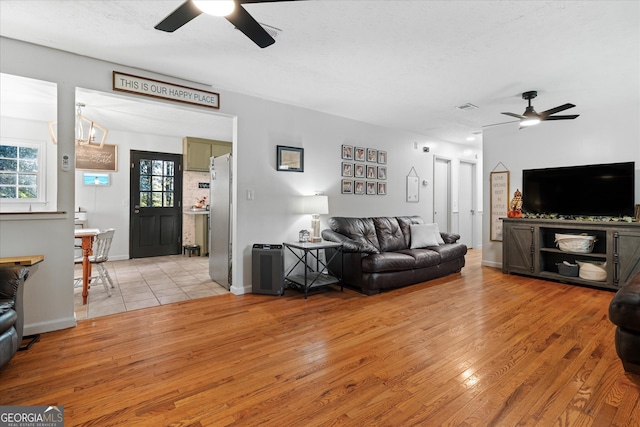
x,y
557,109
258,1
176,19
568,117
250,27
513,115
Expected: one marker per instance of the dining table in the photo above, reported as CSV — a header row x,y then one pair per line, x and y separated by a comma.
x,y
87,235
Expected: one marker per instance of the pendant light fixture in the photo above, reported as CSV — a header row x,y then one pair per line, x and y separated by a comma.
x,y
87,132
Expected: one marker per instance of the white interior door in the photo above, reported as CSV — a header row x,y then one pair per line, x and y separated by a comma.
x,y
442,193
466,203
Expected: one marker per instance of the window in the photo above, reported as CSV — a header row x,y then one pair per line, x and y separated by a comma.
x,y
22,171
156,183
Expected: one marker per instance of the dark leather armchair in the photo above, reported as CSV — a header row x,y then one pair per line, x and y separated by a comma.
x,y
11,315
624,312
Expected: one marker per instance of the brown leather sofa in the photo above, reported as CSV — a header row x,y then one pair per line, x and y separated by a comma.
x,y
11,316
624,312
378,253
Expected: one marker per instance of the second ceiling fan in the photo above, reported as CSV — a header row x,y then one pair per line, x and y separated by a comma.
x,y
530,117
232,10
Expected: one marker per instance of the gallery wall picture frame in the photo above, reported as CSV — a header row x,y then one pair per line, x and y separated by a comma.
x,y
346,186
347,152
359,171
359,154
382,172
360,187
289,159
372,155
382,188
372,172
347,169
372,188
382,157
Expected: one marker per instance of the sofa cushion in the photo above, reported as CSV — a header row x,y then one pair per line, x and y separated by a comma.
x,y
423,257
450,251
424,235
388,261
390,237
361,230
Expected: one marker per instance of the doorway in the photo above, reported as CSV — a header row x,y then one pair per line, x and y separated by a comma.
x,y
442,193
155,204
466,203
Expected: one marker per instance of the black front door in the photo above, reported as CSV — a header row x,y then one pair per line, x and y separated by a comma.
x,y
156,204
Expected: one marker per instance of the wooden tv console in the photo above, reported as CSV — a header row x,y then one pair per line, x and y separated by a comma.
x,y
529,248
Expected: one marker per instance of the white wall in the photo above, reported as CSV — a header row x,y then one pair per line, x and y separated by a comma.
x,y
260,125
606,134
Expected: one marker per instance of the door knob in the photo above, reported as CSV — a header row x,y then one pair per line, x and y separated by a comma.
x,y
136,211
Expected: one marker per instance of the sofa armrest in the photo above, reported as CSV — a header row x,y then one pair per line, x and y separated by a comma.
x,y
348,245
449,237
10,279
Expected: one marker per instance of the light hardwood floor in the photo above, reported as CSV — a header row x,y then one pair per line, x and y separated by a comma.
x,y
473,349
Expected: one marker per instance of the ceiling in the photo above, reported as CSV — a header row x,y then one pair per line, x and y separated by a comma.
x,y
399,64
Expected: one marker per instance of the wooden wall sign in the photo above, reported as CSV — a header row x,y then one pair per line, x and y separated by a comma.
x,y
97,159
156,89
499,188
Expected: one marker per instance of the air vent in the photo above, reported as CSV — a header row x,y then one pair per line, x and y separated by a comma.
x,y
467,106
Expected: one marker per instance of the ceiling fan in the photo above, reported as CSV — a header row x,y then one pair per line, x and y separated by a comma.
x,y
530,117
232,10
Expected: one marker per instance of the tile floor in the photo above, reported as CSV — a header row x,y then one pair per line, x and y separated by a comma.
x,y
147,282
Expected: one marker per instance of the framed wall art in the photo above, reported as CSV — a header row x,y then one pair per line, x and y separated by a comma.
x,y
347,169
359,187
499,202
372,155
97,158
347,152
382,188
347,186
359,154
289,159
382,157
371,187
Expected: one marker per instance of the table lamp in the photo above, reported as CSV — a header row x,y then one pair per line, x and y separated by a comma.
x,y
315,206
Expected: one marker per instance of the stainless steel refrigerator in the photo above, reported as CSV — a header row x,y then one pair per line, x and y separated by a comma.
x,y
220,220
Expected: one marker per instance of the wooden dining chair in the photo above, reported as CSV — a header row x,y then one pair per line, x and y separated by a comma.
x,y
101,246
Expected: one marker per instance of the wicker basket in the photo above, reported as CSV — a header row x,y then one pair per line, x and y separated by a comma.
x,y
593,270
580,243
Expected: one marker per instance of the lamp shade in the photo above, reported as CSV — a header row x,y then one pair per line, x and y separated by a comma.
x,y
315,205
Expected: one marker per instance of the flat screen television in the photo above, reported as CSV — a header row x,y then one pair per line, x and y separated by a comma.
x,y
589,190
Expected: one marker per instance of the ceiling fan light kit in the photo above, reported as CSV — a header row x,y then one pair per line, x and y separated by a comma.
x,y
215,7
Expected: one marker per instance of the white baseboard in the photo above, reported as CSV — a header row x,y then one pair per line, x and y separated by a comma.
x,y
49,326
492,264
240,290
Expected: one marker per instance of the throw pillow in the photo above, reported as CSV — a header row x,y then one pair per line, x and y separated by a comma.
x,y
438,236
423,235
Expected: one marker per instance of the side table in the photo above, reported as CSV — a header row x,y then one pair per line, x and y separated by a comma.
x,y
314,275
